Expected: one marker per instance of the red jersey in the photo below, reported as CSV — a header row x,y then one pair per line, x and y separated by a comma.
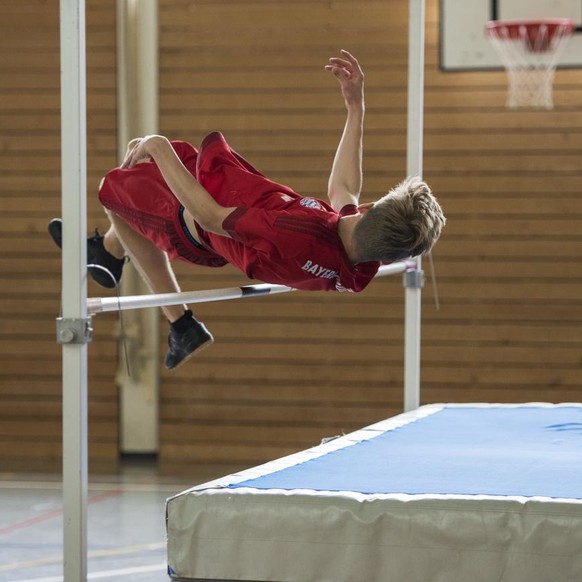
x,y
277,236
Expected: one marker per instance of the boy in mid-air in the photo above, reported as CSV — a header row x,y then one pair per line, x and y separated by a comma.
x,y
211,207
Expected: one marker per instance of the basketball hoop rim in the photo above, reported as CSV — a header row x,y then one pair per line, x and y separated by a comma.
x,y
493,27
529,50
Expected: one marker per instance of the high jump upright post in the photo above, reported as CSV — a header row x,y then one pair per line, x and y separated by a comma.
x,y
73,326
414,279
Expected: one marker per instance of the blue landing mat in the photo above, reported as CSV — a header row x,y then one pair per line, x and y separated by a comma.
x,y
526,451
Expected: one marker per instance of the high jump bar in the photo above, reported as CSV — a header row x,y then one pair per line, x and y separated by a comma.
x,y
101,304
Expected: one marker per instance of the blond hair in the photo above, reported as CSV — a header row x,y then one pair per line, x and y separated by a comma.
x,y
405,223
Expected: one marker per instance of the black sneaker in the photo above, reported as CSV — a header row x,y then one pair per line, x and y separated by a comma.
x,y
183,346
96,255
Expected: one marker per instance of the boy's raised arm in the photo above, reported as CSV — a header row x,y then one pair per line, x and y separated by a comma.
x,y
345,180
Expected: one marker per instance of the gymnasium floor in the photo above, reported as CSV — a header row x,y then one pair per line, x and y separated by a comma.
x,y
126,529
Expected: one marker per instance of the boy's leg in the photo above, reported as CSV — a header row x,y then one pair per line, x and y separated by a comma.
x,y
112,244
187,335
152,263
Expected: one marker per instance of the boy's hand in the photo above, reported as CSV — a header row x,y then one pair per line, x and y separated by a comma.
x,y
139,150
348,72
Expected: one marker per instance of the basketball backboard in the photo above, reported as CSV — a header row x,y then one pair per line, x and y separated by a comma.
x,y
464,46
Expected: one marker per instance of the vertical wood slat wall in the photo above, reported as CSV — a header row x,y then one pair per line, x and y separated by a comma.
x,y
290,370
287,371
30,273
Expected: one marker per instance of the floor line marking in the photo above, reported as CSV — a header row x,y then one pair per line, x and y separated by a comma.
x,y
57,559
108,573
56,512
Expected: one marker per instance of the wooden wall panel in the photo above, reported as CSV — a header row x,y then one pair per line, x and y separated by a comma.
x,y
287,371
30,166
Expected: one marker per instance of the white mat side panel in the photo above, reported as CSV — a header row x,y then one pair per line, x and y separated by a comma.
x,y
282,536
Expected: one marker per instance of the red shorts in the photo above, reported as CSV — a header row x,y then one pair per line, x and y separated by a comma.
x,y
142,199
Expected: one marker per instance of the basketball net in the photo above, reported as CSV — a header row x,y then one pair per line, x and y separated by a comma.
x,y
530,51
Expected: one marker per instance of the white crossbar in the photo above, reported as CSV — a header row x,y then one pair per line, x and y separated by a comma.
x,y
101,304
